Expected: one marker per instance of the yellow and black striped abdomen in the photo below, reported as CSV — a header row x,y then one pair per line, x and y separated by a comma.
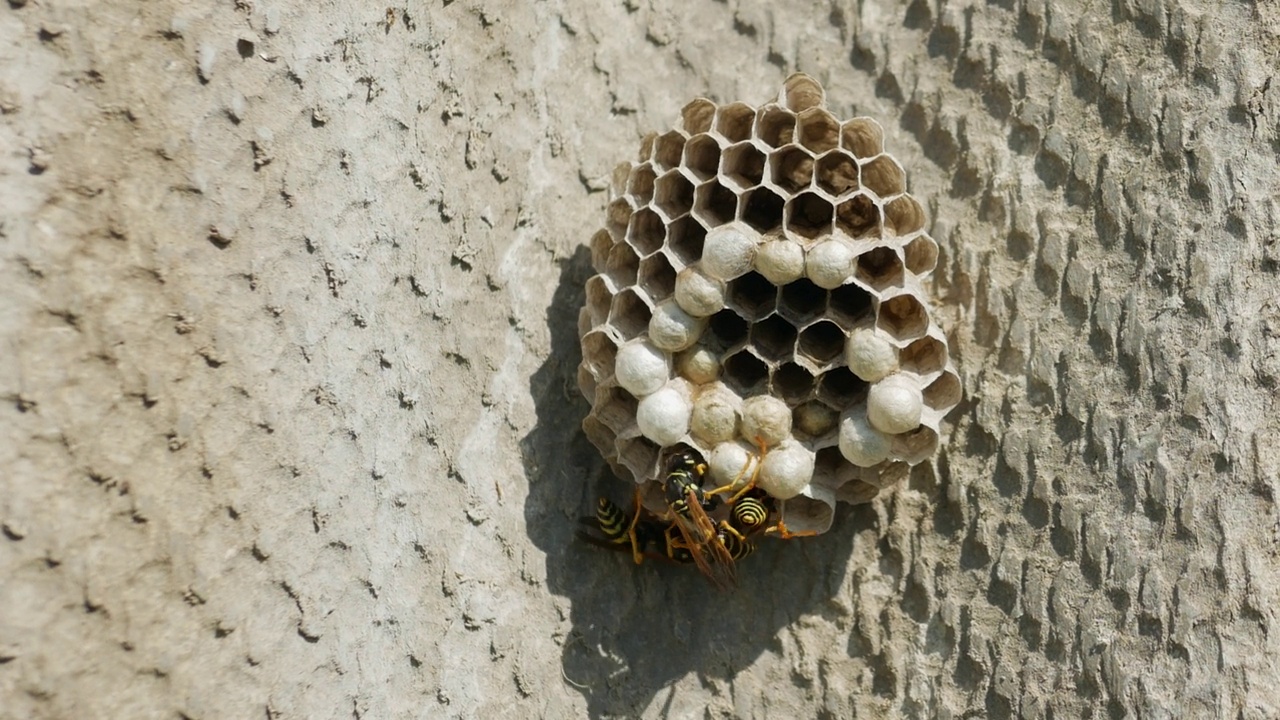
x,y
736,547
749,515
613,521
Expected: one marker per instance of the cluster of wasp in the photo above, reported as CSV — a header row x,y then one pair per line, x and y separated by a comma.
x,y
686,533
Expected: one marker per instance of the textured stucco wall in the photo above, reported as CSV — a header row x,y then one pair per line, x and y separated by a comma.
x,y
287,354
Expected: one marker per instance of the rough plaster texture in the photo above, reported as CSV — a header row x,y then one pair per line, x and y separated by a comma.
x,y
288,350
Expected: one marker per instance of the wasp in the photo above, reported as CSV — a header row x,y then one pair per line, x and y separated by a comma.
x,y
699,534
621,534
750,514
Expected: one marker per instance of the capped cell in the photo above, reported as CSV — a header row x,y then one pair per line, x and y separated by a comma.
x,y
641,368
812,418
829,263
672,329
701,157
762,209
807,216
780,260
774,339
752,296
791,168
883,176
863,137
667,150
714,204
742,166
837,173
698,293
818,130
733,121
646,232
858,216
672,195
775,126
729,251
664,416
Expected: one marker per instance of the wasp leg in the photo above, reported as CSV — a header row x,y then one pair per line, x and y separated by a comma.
x,y
785,534
636,554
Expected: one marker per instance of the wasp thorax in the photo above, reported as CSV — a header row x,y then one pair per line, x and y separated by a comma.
x,y
759,299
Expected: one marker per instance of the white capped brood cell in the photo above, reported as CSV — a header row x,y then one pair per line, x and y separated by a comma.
x,y
761,280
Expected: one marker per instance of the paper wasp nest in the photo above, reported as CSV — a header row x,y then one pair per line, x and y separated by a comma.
x,y
761,276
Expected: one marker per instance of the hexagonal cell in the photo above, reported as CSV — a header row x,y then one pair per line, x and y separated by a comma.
x,y
791,168
673,195
618,179
657,277
822,342
880,268
807,215
762,209
838,388
646,232
752,296
622,265
775,126
615,407
858,216
830,469
640,183
728,328
774,338
640,454
599,353
837,173
903,317
684,240
599,298
646,147
802,301
818,130
922,255
597,432
925,356
629,313
943,393
792,382
616,217
733,122
742,165
667,150
697,115
915,446
884,177
801,92
714,204
814,419
601,244
863,137
701,157
745,373
849,305
857,492
903,215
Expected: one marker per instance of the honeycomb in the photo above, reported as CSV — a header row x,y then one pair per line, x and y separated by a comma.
x,y
761,279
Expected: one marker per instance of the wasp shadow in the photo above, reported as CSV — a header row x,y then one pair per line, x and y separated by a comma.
x,y
638,629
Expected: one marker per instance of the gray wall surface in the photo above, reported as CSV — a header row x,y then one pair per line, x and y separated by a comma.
x,y
288,346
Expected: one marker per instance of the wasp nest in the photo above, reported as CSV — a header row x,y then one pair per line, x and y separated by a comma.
x,y
761,280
